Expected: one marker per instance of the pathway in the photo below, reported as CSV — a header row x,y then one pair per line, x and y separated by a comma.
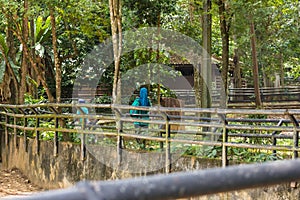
x,y
14,183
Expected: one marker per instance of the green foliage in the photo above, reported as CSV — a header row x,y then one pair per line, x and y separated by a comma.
x,y
148,11
249,155
276,30
83,24
3,44
29,99
49,135
2,70
203,151
105,99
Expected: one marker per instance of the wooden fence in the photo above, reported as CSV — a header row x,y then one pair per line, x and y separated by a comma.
x,y
234,135
288,96
288,93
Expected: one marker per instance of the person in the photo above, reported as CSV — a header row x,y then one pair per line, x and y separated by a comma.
x,y
141,100
82,111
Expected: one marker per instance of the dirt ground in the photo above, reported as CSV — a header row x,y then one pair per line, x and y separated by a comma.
x,y
14,183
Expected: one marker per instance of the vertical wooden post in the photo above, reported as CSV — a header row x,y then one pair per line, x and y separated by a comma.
x,y
274,140
37,134
55,150
6,129
119,125
296,141
161,144
295,136
83,140
15,131
168,148
25,134
224,140
120,143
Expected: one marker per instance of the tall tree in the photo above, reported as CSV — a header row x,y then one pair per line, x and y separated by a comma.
x,y
24,64
57,63
115,7
255,65
206,68
225,21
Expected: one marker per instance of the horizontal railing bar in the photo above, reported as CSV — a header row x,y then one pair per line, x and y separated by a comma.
x,y
263,147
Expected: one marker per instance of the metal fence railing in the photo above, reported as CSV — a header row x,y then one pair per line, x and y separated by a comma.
x,y
231,134
242,97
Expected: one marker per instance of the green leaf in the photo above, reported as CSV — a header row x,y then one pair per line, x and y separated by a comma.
x,y
3,44
38,26
14,67
2,71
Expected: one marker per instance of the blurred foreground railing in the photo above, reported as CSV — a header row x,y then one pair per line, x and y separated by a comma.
x,y
180,185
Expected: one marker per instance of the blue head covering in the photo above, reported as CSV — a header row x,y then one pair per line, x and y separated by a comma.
x,y
144,97
81,101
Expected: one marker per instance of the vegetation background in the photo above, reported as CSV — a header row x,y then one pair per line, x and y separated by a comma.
x,y
43,43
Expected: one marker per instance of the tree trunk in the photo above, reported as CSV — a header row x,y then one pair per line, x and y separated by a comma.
x,y
255,66
197,86
24,65
116,28
224,27
39,73
206,68
281,69
37,70
11,88
32,88
237,80
56,57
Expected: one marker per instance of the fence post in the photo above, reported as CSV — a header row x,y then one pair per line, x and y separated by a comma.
x,y
25,134
6,129
56,137
37,134
83,140
168,148
119,126
57,111
15,130
274,140
295,135
224,140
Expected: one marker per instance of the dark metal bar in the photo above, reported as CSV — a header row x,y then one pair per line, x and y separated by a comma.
x,y
224,140
6,129
83,140
55,139
274,139
296,134
182,184
119,124
15,132
25,134
37,136
168,146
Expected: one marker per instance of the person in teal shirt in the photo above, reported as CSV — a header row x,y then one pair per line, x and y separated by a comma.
x,y
142,100
82,111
